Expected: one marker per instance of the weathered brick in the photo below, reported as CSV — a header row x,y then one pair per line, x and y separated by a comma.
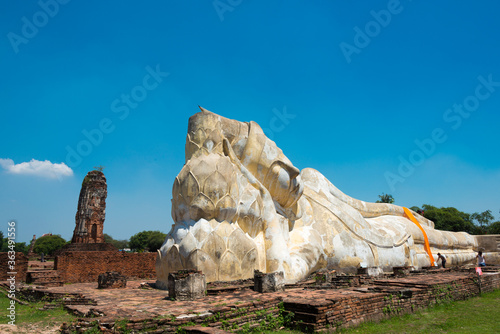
x,y
85,267
21,266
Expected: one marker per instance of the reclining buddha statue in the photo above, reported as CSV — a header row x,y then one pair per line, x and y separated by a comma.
x,y
240,205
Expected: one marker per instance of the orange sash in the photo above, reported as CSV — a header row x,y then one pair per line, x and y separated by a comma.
x,y
427,248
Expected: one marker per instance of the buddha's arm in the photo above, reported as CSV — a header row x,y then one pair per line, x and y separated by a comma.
x,y
371,210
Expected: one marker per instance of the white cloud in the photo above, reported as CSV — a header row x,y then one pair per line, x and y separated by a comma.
x,y
37,168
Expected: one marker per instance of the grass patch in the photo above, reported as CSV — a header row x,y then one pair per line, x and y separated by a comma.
x,y
475,315
30,314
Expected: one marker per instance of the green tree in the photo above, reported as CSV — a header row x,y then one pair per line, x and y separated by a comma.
x,y
416,209
119,244
448,219
22,247
19,246
385,198
494,228
49,244
483,219
147,240
108,238
155,240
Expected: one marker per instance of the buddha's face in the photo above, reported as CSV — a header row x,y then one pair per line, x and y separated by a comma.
x,y
255,151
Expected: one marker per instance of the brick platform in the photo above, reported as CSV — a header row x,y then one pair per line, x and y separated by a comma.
x,y
44,277
315,308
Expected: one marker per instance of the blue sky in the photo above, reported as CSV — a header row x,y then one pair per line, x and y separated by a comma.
x,y
380,96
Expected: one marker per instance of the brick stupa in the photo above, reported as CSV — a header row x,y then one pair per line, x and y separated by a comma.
x,y
31,251
91,212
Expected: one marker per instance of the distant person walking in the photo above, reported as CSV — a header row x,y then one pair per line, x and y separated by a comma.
x,y
443,259
481,261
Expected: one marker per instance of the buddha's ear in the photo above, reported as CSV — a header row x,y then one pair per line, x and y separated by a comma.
x,y
292,170
228,150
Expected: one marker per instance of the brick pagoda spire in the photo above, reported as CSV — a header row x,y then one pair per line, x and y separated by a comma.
x,y
91,209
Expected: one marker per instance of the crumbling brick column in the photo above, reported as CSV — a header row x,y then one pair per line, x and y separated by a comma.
x,y
111,280
401,271
324,276
271,282
187,285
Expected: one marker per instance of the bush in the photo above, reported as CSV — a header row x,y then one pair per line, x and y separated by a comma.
x,y
49,244
147,240
19,246
494,228
119,244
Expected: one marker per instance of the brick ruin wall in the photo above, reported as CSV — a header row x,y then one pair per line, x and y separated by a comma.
x,y
21,266
321,315
85,267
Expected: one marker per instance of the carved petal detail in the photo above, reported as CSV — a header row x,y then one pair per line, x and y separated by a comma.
x,y
202,207
190,187
215,186
226,209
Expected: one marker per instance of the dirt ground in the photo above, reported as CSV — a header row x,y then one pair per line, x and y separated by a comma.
x,y
29,329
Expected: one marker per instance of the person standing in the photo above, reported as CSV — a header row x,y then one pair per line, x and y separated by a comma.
x,y
443,259
481,260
